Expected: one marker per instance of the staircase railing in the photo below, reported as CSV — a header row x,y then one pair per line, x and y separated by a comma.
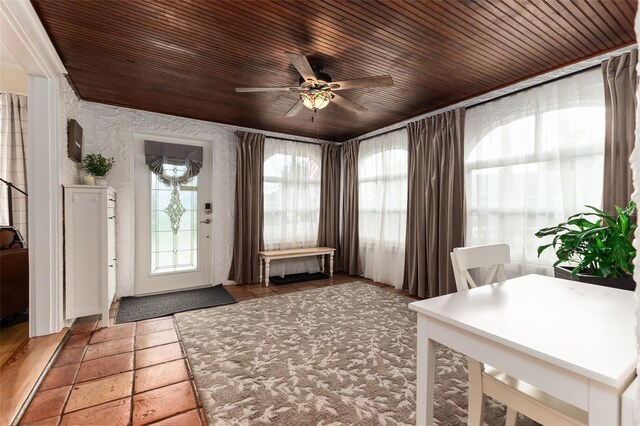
x,y
10,187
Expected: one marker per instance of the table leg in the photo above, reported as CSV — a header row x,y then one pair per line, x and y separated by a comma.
x,y
604,405
322,263
331,264
266,272
260,262
426,367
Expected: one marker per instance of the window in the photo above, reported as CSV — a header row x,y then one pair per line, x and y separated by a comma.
x,y
382,180
174,223
291,194
532,160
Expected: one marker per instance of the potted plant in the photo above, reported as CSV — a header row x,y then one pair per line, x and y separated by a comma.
x,y
96,166
595,247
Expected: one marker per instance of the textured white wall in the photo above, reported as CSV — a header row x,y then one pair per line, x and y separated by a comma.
x,y
69,109
109,130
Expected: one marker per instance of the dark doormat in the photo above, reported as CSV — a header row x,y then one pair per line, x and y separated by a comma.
x,y
298,278
159,305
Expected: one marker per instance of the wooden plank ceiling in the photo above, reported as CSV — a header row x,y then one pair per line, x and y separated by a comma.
x,y
186,57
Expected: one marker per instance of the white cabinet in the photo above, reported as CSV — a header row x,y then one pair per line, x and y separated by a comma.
x,y
90,250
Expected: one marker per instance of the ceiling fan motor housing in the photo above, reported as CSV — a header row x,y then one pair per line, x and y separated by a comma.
x,y
320,76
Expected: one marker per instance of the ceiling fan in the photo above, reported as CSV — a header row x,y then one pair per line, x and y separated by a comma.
x,y
316,90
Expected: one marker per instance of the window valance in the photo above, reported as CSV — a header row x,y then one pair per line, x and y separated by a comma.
x,y
157,154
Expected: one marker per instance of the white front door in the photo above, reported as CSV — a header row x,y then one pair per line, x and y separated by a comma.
x,y
172,236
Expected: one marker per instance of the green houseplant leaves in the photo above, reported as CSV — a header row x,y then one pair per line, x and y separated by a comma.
x,y
596,242
97,165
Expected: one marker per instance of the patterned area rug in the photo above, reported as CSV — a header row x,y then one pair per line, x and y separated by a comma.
x,y
339,355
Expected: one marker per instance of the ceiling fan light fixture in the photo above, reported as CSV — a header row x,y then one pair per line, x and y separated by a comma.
x,y
315,90
316,98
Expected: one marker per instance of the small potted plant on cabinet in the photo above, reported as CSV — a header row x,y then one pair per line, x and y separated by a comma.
x,y
97,166
595,247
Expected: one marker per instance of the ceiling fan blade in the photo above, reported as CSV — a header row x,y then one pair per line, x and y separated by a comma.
x,y
302,65
347,104
295,109
362,83
266,89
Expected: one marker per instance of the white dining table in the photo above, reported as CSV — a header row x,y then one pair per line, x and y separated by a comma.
x,y
572,340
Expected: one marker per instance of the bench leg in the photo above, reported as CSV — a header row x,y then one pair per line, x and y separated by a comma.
x,y
266,272
331,264
322,263
260,263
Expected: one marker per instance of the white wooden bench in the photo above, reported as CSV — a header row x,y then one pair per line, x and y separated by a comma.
x,y
267,256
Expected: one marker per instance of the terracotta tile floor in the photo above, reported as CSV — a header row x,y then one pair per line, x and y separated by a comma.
x,y
134,373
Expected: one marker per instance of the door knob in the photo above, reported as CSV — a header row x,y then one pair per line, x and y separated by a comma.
x,y
208,221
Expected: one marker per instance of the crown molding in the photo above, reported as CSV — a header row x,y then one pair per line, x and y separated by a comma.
x,y
25,37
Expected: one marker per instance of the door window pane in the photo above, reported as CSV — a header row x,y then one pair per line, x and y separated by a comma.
x,y
174,249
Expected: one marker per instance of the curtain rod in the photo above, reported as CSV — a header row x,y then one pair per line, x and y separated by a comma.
x,y
473,105
301,141
384,133
573,68
486,101
14,93
291,140
558,78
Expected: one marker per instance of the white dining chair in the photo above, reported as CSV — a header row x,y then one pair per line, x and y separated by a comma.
x,y
465,258
519,397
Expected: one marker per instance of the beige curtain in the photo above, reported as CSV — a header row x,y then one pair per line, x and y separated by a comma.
x,y
13,158
249,207
350,242
329,225
620,82
435,211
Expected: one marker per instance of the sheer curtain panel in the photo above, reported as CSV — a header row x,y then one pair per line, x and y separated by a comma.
x,y
382,178
291,201
13,158
248,216
533,159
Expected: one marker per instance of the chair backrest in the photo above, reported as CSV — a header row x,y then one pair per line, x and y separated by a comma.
x,y
465,258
